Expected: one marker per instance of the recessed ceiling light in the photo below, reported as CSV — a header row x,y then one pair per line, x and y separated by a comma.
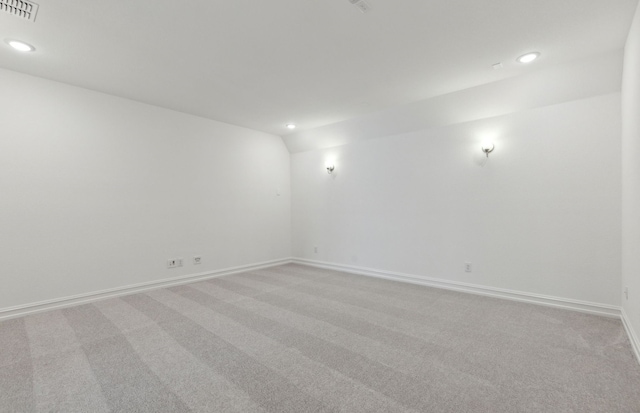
x,y
20,46
291,126
528,58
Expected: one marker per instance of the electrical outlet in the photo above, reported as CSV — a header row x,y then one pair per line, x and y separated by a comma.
x,y
626,293
315,249
467,267
197,260
174,262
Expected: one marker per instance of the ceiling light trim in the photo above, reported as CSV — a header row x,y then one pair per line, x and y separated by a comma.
x,y
20,46
528,57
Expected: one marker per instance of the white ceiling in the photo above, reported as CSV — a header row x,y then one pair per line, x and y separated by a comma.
x,y
579,79
262,64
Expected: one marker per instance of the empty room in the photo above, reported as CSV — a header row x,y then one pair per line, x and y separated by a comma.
x,y
320,206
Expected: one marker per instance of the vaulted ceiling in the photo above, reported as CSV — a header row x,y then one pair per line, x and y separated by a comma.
x,y
263,64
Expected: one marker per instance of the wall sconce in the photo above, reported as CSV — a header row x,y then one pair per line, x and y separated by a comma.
x,y
330,168
488,147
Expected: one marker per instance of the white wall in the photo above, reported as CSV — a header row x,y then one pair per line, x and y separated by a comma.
x,y
98,192
541,215
631,175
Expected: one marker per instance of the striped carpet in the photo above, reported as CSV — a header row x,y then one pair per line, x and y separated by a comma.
x,y
300,339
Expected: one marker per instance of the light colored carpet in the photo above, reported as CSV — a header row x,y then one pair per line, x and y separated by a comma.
x,y
300,339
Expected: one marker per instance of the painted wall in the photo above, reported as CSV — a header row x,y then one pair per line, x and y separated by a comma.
x,y
541,215
631,175
98,192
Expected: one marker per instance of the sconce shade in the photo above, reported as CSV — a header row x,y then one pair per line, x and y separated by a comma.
x,y
487,148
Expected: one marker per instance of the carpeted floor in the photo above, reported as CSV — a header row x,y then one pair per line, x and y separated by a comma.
x,y
299,339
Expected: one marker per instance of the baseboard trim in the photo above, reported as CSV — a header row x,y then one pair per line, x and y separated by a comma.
x,y
633,337
549,301
22,310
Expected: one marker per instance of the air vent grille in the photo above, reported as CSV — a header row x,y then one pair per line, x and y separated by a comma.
x,y
21,8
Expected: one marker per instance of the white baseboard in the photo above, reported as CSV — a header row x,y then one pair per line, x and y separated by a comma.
x,y
549,301
569,304
633,337
19,311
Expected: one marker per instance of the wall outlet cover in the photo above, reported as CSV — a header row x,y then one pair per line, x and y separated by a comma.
x,y
174,262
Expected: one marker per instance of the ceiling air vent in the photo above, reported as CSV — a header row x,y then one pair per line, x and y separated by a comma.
x,y
21,8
